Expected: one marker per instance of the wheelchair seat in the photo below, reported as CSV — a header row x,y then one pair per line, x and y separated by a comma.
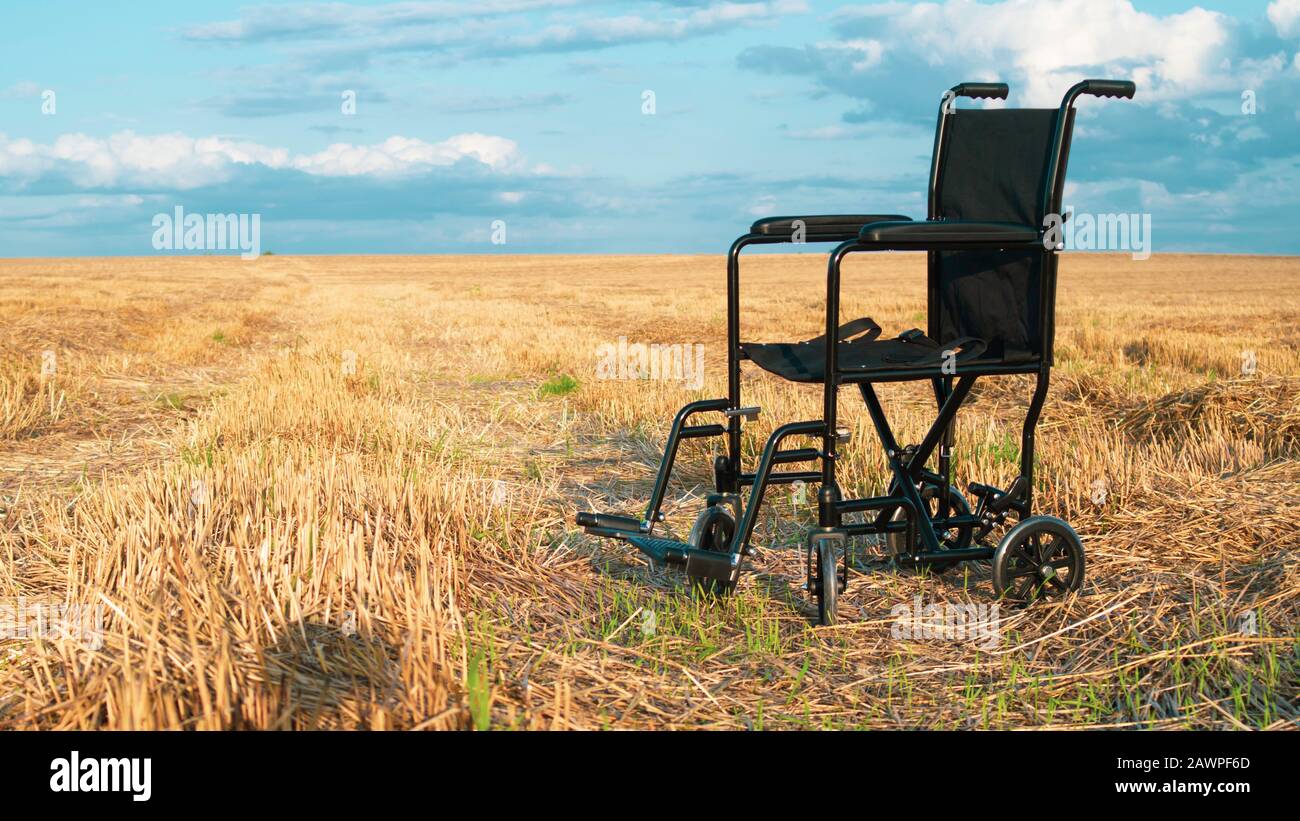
x,y
861,353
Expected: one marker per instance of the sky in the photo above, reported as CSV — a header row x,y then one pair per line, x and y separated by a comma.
x,y
667,126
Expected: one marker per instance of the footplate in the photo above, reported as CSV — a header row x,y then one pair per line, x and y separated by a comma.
x,y
661,550
713,565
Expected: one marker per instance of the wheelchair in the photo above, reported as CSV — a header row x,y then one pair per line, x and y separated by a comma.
x,y
995,183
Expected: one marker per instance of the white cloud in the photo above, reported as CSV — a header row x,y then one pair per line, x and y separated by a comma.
x,y
600,32
63,211
1049,46
1285,17
20,90
182,162
401,155
490,28
1269,187
318,20
866,53
764,206
825,132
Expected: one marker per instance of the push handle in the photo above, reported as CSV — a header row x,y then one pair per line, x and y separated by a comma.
x,y
978,91
1051,197
981,91
1110,88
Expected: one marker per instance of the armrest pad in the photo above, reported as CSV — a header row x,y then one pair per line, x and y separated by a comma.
x,y
823,228
922,234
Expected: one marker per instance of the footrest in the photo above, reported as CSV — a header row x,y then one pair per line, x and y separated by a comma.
x,y
661,550
700,564
712,565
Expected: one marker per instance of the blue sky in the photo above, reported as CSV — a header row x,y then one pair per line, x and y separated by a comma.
x,y
533,112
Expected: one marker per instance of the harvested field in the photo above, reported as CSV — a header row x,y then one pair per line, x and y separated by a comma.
x,y
338,492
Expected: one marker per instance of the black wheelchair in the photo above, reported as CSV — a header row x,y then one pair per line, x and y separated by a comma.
x,y
996,180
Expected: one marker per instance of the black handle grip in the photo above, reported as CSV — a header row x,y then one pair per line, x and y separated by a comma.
x,y
1110,88
980,91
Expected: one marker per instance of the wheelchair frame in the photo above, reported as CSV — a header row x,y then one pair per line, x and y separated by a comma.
x,y
717,567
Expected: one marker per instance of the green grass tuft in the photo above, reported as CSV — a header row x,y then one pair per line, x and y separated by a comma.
x,y
558,385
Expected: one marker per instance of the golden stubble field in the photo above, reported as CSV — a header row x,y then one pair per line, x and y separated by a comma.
x,y
339,492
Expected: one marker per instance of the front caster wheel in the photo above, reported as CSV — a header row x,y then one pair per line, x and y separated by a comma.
x,y
1039,558
824,582
713,531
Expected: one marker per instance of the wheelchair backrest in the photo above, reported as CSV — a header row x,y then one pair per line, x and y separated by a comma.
x,y
993,166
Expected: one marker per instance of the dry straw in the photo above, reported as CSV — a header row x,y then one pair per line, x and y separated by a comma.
x,y
282,536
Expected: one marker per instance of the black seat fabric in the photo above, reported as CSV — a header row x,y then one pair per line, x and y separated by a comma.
x,y
806,361
844,226
988,302
992,295
994,171
995,165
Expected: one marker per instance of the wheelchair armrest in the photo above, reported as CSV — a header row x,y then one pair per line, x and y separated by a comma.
x,y
822,228
948,234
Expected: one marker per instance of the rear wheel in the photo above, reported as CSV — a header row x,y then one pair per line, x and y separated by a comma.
x,y
1041,557
951,538
713,531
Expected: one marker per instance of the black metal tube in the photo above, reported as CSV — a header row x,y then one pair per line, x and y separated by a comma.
x,y
942,390
964,554
870,503
907,475
918,522
1047,316
701,431
783,477
940,133
1027,436
785,457
878,418
936,432
733,340
670,453
746,527
829,493
929,477
912,374
1051,189
733,350
865,528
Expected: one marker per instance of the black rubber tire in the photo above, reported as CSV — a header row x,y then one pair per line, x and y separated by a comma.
x,y
1040,557
827,583
732,501
963,538
713,530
